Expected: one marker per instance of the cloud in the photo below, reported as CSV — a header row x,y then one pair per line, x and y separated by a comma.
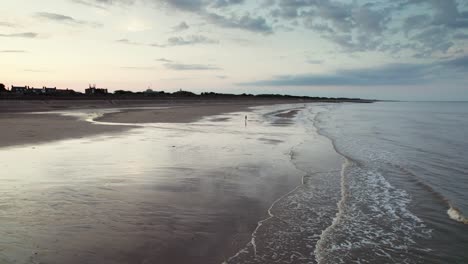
x,y
226,3
140,68
460,63
245,22
20,35
7,24
421,28
353,26
128,42
35,70
185,41
175,41
181,27
206,9
424,27
65,19
315,61
13,51
102,4
190,67
184,5
190,40
163,60
461,36
385,75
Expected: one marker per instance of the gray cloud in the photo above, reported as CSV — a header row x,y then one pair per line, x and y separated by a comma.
x,y
190,67
429,26
181,27
424,28
460,63
207,9
128,42
245,22
185,5
163,60
226,3
13,51
102,4
185,41
7,24
190,40
65,19
461,36
315,61
20,35
175,41
386,75
140,68
437,28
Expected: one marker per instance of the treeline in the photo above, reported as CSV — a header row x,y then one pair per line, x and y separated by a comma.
x,y
150,94
182,93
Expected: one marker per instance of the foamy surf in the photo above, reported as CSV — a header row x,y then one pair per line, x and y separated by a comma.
x,y
456,215
320,247
295,220
374,223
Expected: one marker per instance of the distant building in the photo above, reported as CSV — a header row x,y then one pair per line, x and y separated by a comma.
x,y
40,91
65,92
19,89
46,90
2,87
183,93
33,90
92,90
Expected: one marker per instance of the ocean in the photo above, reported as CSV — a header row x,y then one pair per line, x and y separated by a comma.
x,y
336,183
405,189
401,195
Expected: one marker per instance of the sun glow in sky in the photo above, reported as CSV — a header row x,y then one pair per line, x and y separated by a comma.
x,y
400,49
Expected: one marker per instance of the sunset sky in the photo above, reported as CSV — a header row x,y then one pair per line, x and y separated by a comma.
x,y
399,49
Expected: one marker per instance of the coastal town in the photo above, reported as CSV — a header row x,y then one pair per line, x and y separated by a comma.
x,y
54,92
27,90
93,92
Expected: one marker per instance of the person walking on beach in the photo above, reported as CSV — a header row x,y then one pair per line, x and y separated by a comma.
x,y
246,120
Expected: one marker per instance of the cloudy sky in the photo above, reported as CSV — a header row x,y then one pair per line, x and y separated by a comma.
x,y
399,49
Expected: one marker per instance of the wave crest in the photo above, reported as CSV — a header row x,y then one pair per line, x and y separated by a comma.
x,y
457,215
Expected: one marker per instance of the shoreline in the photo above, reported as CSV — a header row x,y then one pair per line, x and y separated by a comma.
x,y
20,129
28,123
196,226
44,105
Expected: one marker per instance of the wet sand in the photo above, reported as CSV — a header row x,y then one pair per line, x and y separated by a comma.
x,y
24,129
162,193
20,127
176,114
12,106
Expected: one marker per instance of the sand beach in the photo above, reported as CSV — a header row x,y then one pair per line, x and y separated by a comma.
x,y
185,183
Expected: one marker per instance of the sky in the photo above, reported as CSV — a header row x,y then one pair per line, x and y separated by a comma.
x,y
380,49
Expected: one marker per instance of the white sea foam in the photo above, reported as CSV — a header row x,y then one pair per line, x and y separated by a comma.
x,y
374,223
295,221
456,215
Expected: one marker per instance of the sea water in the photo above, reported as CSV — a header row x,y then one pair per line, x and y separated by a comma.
x,y
405,185
401,195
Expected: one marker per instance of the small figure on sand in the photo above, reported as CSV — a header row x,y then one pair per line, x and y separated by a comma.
x,y
246,120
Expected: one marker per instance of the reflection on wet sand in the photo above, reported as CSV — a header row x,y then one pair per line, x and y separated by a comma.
x,y
183,193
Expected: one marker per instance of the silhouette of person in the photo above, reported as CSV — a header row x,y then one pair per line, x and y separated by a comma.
x,y
246,120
